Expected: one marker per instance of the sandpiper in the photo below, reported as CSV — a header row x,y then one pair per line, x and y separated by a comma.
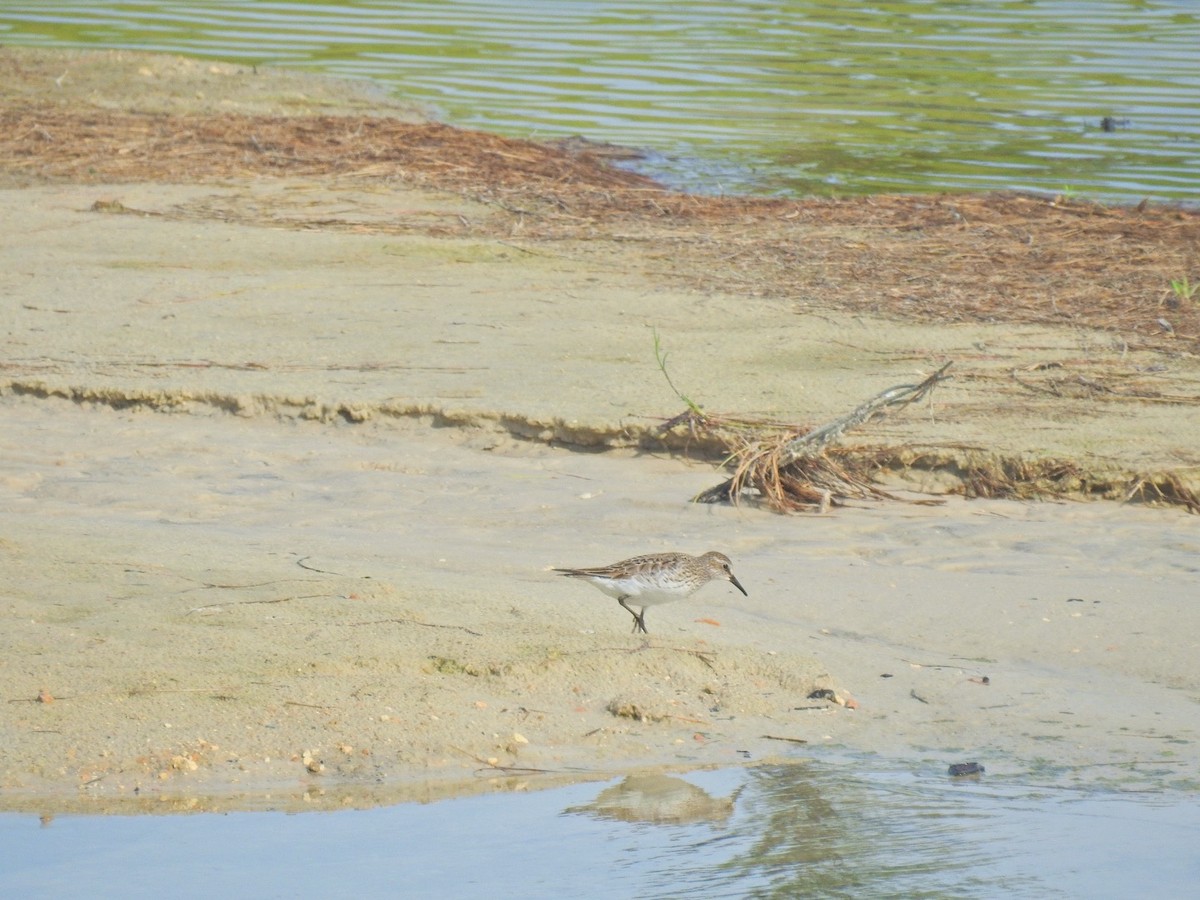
x,y
656,578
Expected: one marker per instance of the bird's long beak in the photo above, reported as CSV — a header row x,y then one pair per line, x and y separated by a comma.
x,y
737,584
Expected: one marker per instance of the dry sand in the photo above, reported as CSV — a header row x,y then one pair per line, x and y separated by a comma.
x,y
278,505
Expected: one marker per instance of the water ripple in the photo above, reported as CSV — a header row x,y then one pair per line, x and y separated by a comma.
x,y
790,97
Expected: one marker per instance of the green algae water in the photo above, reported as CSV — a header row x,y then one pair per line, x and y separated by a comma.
x,y
1094,99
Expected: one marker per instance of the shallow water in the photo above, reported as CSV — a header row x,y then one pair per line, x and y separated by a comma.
x,y
792,98
809,829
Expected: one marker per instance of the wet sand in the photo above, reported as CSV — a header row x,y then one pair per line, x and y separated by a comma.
x,y
280,504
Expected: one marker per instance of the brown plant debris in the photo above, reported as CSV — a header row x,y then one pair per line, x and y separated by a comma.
x,y
948,258
983,474
794,471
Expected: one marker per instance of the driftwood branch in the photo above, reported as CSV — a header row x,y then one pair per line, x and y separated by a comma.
x,y
900,395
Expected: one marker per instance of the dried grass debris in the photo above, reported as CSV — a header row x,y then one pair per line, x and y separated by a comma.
x,y
797,471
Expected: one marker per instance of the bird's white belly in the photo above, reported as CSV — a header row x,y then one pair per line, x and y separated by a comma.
x,y
638,592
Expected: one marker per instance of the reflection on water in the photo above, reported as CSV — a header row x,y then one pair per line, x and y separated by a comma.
x,y
804,829
799,97
871,838
660,800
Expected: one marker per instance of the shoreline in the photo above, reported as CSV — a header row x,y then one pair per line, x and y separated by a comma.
x,y
1073,356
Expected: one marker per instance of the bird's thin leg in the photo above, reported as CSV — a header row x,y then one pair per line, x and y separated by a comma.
x,y
639,623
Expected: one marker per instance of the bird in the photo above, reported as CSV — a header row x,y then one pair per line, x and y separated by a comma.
x,y
656,578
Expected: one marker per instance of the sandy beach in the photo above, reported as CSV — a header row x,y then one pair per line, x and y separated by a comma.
x,y
287,461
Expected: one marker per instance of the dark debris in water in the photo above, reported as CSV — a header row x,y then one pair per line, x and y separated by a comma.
x,y
966,770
